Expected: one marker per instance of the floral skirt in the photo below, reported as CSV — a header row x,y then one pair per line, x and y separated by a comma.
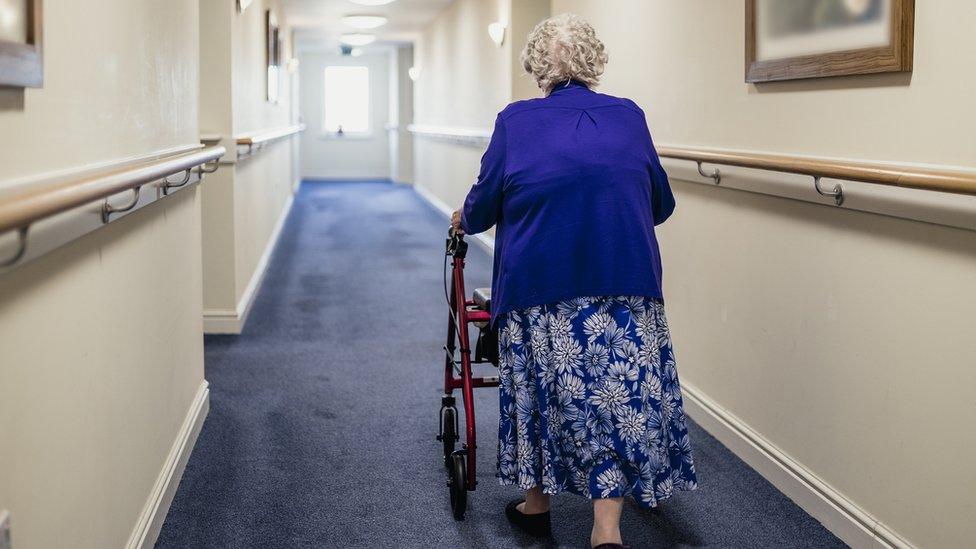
x,y
590,401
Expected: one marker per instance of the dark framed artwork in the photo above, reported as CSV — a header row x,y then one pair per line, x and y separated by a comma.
x,y
273,42
794,39
21,59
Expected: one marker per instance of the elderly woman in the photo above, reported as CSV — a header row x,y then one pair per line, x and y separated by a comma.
x,y
590,401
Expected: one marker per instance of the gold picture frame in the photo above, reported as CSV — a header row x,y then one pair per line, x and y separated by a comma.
x,y
894,53
22,59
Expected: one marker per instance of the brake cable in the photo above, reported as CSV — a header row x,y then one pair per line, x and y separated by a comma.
x,y
447,297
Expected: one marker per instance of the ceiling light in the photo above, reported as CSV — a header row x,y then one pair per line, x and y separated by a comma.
x,y
497,33
357,39
372,2
364,21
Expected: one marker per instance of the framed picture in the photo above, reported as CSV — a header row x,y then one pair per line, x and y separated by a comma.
x,y
273,56
794,39
21,62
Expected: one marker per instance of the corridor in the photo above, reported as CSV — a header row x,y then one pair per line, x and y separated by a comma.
x,y
337,448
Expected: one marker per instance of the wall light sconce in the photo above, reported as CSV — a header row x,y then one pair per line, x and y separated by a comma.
x,y
496,31
413,73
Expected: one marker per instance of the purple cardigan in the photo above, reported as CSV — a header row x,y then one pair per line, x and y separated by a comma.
x,y
575,187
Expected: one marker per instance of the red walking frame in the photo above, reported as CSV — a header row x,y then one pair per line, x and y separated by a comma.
x,y
461,464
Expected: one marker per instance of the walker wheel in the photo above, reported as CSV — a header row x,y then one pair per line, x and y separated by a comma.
x,y
448,432
457,483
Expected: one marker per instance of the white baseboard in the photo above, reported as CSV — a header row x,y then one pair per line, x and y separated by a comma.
x,y
339,178
835,511
486,241
222,321
153,515
231,321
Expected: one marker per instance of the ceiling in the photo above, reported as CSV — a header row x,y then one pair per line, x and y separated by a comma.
x,y
318,23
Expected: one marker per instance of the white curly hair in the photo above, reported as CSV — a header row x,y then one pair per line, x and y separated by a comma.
x,y
564,47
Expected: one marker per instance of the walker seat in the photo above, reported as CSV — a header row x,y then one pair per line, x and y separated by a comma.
x,y
482,298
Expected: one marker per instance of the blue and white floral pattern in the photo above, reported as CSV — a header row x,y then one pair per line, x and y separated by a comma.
x,y
590,401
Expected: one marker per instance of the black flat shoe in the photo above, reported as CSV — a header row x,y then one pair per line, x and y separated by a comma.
x,y
537,525
611,546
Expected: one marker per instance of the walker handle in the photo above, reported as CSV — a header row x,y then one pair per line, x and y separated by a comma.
x,y
456,246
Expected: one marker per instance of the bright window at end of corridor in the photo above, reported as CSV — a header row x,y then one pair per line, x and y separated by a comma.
x,y
346,100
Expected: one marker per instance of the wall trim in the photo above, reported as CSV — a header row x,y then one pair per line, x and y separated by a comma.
x,y
231,321
833,509
92,168
153,515
486,241
470,136
938,208
951,210
55,229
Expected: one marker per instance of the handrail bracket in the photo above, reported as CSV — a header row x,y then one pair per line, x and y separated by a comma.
x,y
108,209
715,176
21,248
167,184
203,169
837,193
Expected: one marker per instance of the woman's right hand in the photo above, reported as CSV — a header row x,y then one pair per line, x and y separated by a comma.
x,y
456,221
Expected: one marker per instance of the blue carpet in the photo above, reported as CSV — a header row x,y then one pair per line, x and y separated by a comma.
x,y
323,412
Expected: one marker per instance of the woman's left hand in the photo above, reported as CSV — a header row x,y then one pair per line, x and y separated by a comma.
x,y
456,221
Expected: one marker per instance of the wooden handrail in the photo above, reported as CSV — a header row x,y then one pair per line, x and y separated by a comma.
x,y
958,182
264,136
21,209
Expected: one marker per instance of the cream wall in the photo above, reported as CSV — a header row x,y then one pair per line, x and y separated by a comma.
x,y
84,95
841,338
688,73
216,112
465,81
263,195
246,204
525,15
219,264
251,110
101,368
349,157
401,115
